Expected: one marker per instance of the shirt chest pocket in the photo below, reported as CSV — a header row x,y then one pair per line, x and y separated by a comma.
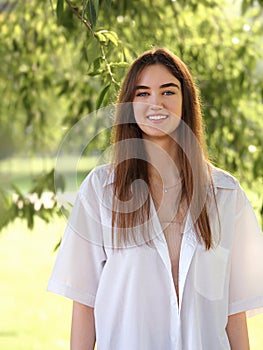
x,y
211,272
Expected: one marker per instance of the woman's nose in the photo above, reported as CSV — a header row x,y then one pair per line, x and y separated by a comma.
x,y
156,101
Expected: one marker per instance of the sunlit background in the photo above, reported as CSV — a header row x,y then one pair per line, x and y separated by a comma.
x,y
61,60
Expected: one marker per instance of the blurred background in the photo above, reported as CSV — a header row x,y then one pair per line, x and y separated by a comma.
x,y
61,60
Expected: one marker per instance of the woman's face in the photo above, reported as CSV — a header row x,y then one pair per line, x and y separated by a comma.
x,y
157,102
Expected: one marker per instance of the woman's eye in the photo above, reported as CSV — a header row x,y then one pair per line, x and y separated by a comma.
x,y
142,94
168,93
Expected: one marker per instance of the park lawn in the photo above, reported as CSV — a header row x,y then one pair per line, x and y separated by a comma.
x,y
31,318
23,171
35,165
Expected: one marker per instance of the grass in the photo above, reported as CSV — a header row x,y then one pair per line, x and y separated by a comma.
x,y
31,318
22,171
255,326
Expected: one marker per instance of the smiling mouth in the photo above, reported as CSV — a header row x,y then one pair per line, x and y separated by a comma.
x,y
157,117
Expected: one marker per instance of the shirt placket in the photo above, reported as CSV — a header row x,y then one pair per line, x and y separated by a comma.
x,y
163,251
188,248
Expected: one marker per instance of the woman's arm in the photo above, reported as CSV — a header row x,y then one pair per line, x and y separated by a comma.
x,y
237,331
83,328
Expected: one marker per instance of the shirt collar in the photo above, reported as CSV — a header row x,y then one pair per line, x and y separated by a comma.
x,y
109,178
221,178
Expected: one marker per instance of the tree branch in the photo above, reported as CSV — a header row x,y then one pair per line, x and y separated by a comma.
x,y
76,13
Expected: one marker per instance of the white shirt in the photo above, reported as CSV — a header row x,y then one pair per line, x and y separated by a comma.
x,y
132,289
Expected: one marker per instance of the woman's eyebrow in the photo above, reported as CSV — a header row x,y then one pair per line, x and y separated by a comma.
x,y
169,85
142,87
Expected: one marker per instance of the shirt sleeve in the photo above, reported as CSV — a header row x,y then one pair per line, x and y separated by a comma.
x,y
246,278
81,255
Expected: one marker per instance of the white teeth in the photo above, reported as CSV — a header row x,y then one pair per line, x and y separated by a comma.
x,y
157,117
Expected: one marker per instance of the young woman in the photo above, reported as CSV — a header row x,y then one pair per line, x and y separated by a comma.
x,y
162,250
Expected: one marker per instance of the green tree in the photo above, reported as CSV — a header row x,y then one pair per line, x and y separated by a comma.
x,y
64,59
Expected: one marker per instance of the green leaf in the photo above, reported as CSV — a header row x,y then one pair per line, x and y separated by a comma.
x,y
93,9
60,8
7,208
100,36
95,73
57,245
93,50
119,64
111,36
97,64
101,96
29,215
105,35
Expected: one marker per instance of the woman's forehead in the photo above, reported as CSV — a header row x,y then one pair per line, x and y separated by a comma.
x,y
156,74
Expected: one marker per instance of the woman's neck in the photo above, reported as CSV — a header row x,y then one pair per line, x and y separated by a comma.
x,y
163,161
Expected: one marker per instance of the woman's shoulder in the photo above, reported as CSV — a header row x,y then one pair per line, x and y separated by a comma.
x,y
223,179
99,176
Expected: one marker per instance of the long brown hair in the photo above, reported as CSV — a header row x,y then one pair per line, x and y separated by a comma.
x,y
129,161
